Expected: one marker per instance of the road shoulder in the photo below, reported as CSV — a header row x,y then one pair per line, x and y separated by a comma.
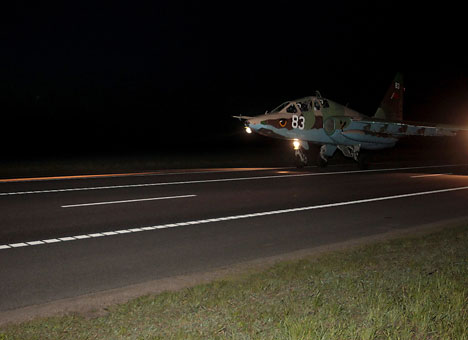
x,y
96,304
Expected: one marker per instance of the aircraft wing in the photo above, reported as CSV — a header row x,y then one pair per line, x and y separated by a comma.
x,y
402,128
381,131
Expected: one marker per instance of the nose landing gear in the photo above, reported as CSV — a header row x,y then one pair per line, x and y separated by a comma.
x,y
300,158
299,154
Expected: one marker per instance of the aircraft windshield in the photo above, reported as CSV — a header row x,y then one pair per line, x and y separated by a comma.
x,y
279,108
291,109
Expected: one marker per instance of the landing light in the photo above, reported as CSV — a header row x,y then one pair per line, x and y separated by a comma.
x,y
248,130
296,144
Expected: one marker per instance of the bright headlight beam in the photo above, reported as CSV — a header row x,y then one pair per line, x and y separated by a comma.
x,y
248,130
296,144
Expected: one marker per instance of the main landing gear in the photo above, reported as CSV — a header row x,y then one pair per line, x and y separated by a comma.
x,y
352,151
326,151
355,152
362,157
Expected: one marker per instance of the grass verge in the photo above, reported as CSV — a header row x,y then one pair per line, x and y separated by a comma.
x,y
410,288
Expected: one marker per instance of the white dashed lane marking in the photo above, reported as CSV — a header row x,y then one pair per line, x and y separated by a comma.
x,y
217,180
126,201
227,218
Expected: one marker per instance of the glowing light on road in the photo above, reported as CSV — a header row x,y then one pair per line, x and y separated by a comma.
x,y
248,130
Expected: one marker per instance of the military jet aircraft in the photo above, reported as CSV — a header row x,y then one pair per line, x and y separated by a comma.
x,y
317,120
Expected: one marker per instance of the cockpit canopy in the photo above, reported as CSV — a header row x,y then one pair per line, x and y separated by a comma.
x,y
290,107
295,107
280,108
302,105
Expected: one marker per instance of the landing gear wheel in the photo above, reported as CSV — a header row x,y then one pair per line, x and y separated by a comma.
x,y
300,159
298,162
321,162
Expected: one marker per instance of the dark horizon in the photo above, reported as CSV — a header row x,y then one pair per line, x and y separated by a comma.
x,y
86,77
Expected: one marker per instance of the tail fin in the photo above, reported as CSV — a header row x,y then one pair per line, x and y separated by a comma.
x,y
391,106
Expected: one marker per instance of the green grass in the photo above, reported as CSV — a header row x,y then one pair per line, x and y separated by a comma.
x,y
410,288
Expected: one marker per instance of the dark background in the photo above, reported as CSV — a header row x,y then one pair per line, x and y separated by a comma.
x,y
92,78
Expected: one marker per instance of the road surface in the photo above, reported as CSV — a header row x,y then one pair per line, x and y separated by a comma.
x,y
68,236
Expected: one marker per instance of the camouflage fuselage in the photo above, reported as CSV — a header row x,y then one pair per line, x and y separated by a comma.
x,y
321,121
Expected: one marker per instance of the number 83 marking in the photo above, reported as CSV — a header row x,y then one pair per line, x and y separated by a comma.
x,y
298,122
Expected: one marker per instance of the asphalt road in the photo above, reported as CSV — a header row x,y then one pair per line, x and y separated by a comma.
x,y
65,237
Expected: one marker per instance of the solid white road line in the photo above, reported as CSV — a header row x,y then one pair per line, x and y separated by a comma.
x,y
230,218
126,201
431,175
219,180
136,174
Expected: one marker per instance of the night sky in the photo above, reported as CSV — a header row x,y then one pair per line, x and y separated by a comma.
x,y
81,77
